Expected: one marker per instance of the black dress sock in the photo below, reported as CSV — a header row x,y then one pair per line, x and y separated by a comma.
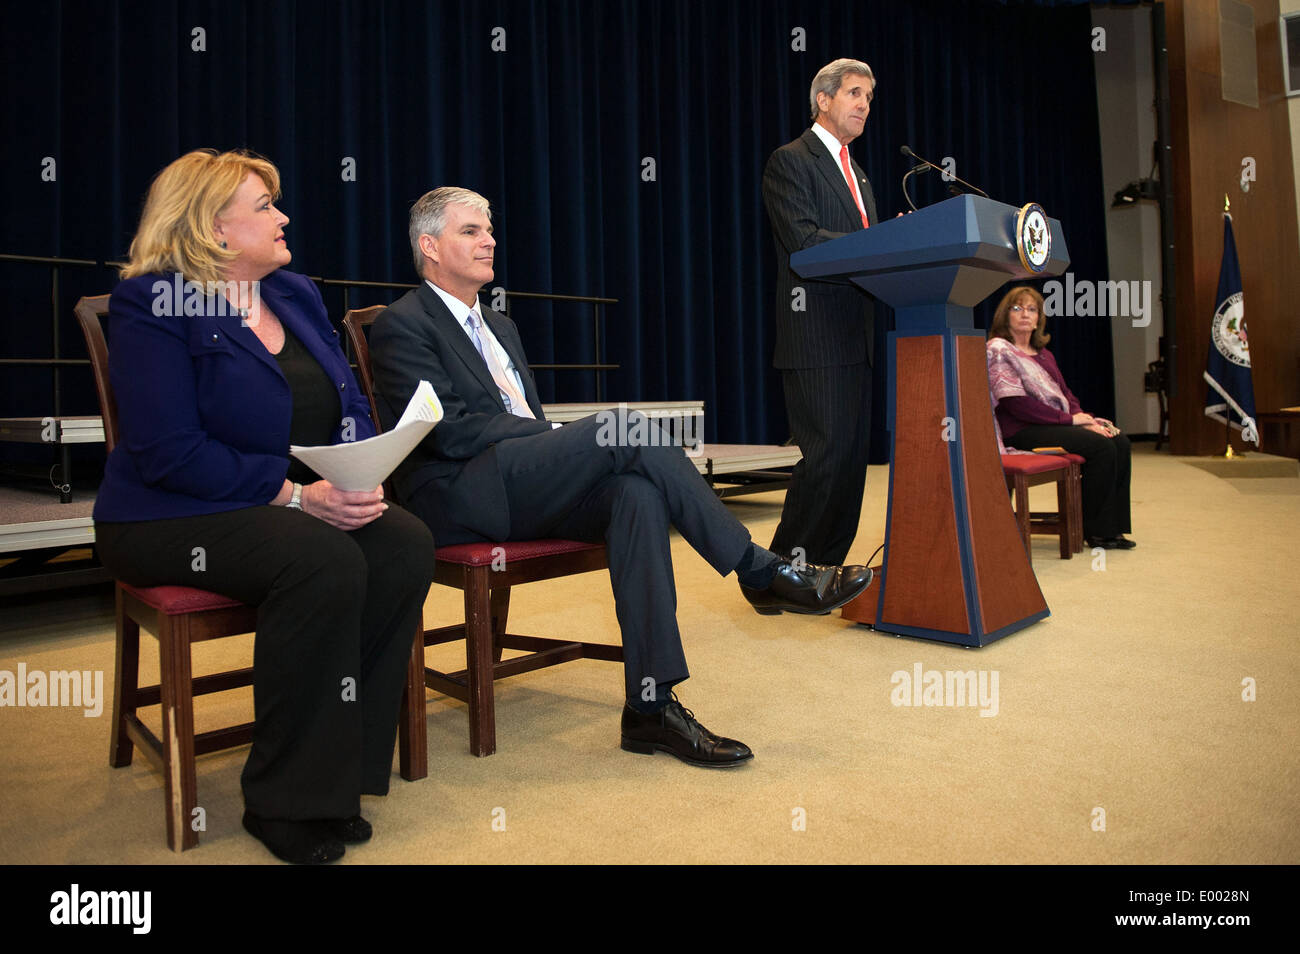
x,y
663,696
757,567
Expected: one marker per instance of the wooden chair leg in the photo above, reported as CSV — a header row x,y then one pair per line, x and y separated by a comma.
x,y
478,660
1022,512
412,731
180,784
500,615
1064,523
1076,505
126,679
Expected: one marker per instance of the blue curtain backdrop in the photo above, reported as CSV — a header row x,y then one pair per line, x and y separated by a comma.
x,y
556,130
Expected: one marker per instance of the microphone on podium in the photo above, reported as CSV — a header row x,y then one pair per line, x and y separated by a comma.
x,y
919,167
925,164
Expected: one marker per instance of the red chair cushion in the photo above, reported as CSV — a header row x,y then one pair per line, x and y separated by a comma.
x,y
179,600
1074,459
1032,463
482,554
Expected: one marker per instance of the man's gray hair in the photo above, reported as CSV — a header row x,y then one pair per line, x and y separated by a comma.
x,y
429,215
830,76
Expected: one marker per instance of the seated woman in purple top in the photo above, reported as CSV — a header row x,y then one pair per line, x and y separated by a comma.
x,y
1035,408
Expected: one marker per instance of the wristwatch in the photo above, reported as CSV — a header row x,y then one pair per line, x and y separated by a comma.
x,y
295,502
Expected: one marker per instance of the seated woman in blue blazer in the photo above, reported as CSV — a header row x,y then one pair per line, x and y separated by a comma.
x,y
219,360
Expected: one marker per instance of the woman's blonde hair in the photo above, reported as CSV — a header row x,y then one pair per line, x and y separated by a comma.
x,y
175,233
1000,326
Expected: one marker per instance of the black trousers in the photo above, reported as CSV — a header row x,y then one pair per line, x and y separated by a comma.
x,y
583,482
1107,468
336,614
829,410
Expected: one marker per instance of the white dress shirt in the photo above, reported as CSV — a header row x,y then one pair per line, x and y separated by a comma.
x,y
833,146
461,312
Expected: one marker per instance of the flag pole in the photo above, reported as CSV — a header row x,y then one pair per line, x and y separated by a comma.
x,y
1227,414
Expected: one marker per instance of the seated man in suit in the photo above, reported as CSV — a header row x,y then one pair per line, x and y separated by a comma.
x,y
494,469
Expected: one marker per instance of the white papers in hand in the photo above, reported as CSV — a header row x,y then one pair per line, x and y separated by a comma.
x,y
364,465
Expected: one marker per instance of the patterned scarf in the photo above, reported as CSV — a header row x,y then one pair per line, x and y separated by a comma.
x,y
1012,374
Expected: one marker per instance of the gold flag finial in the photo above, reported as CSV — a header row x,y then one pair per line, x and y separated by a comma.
x,y
1225,202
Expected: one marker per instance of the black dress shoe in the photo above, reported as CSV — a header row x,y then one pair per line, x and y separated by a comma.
x,y
674,730
814,589
297,842
1112,543
350,831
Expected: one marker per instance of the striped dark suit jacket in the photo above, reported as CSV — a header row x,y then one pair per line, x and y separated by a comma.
x,y
808,202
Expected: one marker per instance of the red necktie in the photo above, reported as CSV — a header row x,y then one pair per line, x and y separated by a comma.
x,y
853,186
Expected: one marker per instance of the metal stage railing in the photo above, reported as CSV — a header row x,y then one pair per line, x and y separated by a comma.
x,y
57,362
596,365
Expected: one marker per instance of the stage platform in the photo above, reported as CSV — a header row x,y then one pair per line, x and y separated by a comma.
x,y
45,544
59,433
735,469
52,430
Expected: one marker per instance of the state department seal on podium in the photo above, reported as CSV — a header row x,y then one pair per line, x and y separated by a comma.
x,y
1033,237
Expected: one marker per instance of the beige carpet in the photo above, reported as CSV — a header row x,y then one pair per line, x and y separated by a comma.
x,y
1127,701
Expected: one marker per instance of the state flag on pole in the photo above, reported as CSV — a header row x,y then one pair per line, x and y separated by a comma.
x,y
1230,397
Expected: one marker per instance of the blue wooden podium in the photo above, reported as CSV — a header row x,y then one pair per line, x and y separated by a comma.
x,y
955,566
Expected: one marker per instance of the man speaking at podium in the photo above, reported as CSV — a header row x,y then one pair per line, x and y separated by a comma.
x,y
815,192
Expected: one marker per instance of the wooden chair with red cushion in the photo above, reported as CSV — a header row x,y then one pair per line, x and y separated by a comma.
x,y
485,572
1023,471
179,616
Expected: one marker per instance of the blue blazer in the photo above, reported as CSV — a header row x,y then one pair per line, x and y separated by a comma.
x,y
203,408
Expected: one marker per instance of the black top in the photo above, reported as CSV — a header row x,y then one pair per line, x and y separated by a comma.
x,y
315,404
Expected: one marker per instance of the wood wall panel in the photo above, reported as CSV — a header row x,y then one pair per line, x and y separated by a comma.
x,y
1210,138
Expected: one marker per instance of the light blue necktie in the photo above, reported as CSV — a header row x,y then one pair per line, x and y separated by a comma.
x,y
514,401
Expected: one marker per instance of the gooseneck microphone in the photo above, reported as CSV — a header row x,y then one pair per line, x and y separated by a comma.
x,y
919,167
924,164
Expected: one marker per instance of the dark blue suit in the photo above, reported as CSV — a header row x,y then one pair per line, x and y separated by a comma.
x,y
454,473
822,350
204,416
485,474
